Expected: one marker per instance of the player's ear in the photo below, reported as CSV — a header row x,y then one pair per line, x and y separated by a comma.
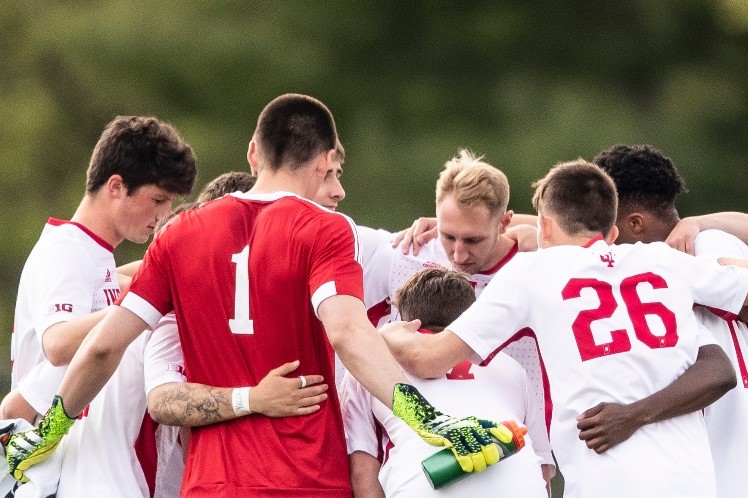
x,y
545,228
253,156
506,220
612,235
635,223
115,187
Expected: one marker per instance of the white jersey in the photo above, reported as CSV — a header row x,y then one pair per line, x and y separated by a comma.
x,y
615,324
727,418
496,392
70,273
111,451
388,279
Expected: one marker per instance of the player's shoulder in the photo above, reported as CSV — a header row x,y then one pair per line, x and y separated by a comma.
x,y
504,363
717,243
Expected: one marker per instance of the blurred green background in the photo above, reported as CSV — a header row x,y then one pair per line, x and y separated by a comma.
x,y
526,83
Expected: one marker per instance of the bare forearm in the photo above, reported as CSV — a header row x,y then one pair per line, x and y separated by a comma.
x,y
62,340
189,404
366,357
731,222
702,384
365,475
86,376
98,358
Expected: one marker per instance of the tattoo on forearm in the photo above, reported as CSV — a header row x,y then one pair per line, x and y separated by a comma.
x,y
191,405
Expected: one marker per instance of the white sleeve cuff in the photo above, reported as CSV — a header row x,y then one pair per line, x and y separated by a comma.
x,y
142,308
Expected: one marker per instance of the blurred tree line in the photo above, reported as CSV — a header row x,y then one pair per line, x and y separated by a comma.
x,y
526,83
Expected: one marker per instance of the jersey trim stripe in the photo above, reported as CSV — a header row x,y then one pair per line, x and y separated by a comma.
x,y
103,243
324,291
142,308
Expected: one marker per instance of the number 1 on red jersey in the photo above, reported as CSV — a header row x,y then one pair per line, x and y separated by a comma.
x,y
241,323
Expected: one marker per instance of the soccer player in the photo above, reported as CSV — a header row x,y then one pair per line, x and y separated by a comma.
x,y
648,183
471,211
147,459
613,323
138,166
436,297
258,279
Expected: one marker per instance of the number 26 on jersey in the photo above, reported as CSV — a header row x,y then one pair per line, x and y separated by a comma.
x,y
637,312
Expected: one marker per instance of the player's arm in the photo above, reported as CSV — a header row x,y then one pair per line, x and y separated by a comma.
x,y
683,235
704,382
190,404
14,405
126,272
61,340
366,356
740,263
360,347
91,368
365,475
425,355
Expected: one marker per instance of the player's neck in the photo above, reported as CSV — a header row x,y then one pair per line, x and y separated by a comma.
x,y
296,182
96,217
506,247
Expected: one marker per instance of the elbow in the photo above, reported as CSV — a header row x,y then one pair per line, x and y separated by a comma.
x,y
56,354
729,381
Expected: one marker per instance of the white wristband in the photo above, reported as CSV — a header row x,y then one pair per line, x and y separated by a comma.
x,y
240,401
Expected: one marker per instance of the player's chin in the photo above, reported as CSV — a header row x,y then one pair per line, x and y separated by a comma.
x,y
469,269
140,237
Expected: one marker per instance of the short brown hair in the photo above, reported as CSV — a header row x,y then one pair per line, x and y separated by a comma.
x,y
580,195
233,181
293,129
436,296
143,151
472,182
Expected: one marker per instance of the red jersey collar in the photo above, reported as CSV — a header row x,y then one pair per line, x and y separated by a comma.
x,y
593,240
103,243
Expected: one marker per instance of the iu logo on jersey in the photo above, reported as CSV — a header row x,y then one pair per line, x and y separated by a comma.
x,y
607,258
111,296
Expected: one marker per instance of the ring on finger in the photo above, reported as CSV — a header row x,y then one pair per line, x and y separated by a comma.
x,y
303,381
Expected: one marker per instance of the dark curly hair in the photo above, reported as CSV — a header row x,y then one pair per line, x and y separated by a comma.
x,y
143,151
643,175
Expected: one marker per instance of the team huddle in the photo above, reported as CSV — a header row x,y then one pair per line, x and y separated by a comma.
x,y
266,345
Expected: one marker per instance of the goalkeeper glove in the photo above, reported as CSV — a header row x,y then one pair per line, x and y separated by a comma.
x,y
25,449
469,438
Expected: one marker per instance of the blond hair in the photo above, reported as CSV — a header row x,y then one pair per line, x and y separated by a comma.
x,y
472,181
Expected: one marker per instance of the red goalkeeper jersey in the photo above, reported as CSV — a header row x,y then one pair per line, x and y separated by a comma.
x,y
245,275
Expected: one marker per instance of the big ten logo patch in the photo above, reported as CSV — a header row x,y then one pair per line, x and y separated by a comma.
x,y
56,308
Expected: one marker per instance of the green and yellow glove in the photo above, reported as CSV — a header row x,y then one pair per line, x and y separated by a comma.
x,y
469,438
25,449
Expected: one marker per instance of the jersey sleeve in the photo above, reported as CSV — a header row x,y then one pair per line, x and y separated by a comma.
x,y
163,360
358,418
149,295
41,384
500,311
376,259
336,265
705,336
721,287
536,427
714,244
64,284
